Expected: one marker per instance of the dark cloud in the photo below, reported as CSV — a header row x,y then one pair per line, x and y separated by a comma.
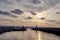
x,y
57,12
14,16
4,13
35,1
57,22
42,18
33,13
7,14
17,11
6,1
40,5
51,20
6,20
18,0
29,17
54,21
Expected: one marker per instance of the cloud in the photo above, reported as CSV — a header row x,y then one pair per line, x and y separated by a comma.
x,y
33,13
29,17
57,12
57,22
42,18
44,5
5,1
7,14
13,16
17,11
4,13
51,20
35,1
29,5
18,0
6,20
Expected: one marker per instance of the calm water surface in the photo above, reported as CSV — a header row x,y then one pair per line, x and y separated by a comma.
x,y
28,35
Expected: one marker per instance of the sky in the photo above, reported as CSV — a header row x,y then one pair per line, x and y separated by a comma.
x,y
44,13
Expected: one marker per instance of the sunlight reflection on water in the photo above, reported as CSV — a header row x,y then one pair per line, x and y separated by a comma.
x,y
39,38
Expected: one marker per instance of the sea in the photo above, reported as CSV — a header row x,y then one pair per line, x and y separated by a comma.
x,y
28,35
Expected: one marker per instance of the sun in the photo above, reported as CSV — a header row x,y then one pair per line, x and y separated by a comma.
x,y
38,17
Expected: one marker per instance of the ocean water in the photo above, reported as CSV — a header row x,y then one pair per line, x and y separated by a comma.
x,y
28,35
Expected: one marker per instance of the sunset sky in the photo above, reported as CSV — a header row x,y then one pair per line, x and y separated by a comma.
x,y
30,12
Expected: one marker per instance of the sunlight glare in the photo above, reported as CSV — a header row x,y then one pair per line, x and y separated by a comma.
x,y
39,36
38,17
